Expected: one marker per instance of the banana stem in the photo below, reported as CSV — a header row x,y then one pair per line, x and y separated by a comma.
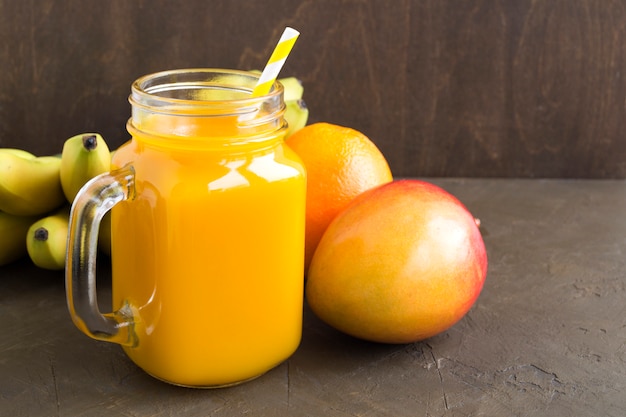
x,y
90,142
41,234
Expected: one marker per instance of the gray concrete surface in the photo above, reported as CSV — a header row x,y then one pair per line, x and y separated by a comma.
x,y
547,336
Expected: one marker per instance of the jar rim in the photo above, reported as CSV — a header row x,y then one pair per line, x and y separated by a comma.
x,y
174,103
152,90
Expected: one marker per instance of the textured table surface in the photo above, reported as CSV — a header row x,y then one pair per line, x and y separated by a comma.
x,y
547,336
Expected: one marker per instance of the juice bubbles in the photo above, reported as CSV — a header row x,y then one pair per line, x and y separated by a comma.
x,y
208,248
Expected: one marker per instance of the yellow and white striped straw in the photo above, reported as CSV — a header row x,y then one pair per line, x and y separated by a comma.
x,y
276,62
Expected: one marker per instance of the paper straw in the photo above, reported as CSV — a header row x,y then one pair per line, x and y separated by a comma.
x,y
276,62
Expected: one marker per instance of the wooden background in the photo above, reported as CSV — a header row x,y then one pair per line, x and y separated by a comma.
x,y
480,88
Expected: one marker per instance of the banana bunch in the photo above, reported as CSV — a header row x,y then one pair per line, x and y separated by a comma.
x,y
296,111
36,194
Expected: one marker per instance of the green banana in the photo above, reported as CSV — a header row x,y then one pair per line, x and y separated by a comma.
x,y
296,115
46,240
296,111
84,156
293,89
29,186
12,232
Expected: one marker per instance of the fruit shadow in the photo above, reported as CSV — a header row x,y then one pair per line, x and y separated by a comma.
x,y
326,350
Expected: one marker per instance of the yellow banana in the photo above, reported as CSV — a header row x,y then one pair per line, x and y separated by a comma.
x,y
29,186
296,115
12,232
46,240
84,156
18,152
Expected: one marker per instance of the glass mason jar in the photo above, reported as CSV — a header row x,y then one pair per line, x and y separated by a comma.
x,y
207,229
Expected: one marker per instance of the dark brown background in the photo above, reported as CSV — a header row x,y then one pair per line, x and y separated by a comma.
x,y
512,88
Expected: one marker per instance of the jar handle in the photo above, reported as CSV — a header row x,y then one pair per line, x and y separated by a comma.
x,y
92,202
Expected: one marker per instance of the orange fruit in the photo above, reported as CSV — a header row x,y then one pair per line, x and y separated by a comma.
x,y
404,262
341,163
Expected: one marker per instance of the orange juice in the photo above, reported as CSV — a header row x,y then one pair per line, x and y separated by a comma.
x,y
208,254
